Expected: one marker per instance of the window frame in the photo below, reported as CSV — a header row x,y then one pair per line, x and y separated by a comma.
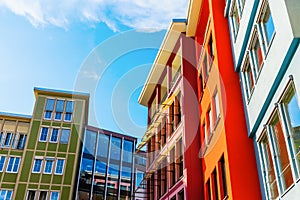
x,y
41,165
61,134
13,165
41,132
62,168
50,137
48,159
52,192
6,192
4,162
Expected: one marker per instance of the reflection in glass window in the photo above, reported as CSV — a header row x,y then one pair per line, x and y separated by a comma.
x,y
112,181
49,108
44,134
54,135
59,108
2,161
292,108
65,134
90,142
6,194
285,171
48,165
127,151
37,165
268,24
102,145
115,148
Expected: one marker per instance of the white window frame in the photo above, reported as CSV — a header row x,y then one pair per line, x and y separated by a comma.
x,y
61,133
51,159
44,117
51,193
41,129
43,191
14,163
59,130
6,191
65,111
63,166
62,112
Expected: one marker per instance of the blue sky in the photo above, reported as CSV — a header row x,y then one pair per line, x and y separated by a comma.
x,y
102,47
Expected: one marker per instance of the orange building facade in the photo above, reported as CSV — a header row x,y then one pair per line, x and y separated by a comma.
x,y
227,154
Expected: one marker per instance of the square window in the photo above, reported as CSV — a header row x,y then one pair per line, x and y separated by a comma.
x,y
59,166
65,134
48,166
13,164
37,165
44,134
54,135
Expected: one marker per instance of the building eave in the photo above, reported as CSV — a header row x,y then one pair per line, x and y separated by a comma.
x,y
177,27
193,17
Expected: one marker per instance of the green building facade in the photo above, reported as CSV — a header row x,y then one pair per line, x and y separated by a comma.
x,y
40,154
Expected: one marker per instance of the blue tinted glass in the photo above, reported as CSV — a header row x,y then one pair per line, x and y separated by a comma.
x,y
115,148
86,165
7,139
37,165
50,104
48,166
10,164
58,115
44,134
2,194
102,145
16,165
64,138
126,172
2,160
59,106
8,195
100,167
90,142
70,106
127,151
59,166
269,25
54,196
294,111
68,116
54,135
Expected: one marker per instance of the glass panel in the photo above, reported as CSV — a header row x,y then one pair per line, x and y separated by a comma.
x,y
44,134
54,135
59,166
7,139
54,196
293,113
43,195
69,106
102,145
49,104
16,164
99,179
10,164
22,141
64,138
2,161
283,158
59,106
37,165
112,182
90,142
85,177
258,54
127,151
31,195
268,24
115,148
48,166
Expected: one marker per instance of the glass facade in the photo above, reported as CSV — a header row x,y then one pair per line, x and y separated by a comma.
x,y
106,167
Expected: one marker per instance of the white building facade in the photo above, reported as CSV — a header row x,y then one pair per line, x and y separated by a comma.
x,y
265,36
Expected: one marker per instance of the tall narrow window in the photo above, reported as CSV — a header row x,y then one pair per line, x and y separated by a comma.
x,y
69,110
172,167
281,154
7,140
207,190
2,162
249,78
216,110
215,184
43,195
31,195
54,135
44,134
21,141
268,167
235,18
258,56
37,165
210,49
267,25
59,166
48,165
180,145
292,110
49,108
222,177
59,108
205,68
54,196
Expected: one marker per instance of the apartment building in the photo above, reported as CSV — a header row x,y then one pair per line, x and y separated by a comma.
x,y
54,154
265,42
227,154
172,139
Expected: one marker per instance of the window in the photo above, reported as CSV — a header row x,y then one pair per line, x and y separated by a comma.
x,y
19,141
37,165
6,194
69,110
207,190
59,108
280,153
235,18
49,108
54,196
7,139
44,134
1,137
215,184
59,166
172,167
248,78
180,146
13,164
54,135
48,165
2,162
43,195
268,167
267,25
257,54
292,110
209,123
222,177
205,68
181,195
65,134
210,49
216,106
31,195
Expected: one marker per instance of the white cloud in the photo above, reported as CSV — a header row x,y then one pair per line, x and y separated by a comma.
x,y
139,14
